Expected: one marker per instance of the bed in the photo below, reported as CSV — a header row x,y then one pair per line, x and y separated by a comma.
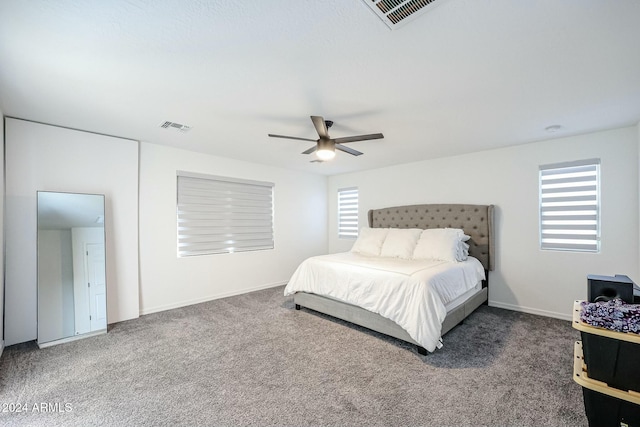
x,y
476,221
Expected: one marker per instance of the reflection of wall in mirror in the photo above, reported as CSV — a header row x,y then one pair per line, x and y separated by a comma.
x,y
55,283
85,311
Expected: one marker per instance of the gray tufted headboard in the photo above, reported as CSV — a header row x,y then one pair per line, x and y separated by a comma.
x,y
475,220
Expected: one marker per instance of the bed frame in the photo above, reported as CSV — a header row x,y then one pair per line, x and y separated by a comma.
x,y
475,220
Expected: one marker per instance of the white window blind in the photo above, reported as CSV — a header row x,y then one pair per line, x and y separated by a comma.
x,y
570,206
348,212
223,215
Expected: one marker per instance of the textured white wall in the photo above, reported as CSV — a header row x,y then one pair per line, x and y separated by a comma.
x,y
167,281
49,158
526,278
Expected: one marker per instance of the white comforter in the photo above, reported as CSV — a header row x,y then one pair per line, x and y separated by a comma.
x,y
412,293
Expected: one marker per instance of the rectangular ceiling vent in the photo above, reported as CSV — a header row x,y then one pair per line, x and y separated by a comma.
x,y
176,126
396,13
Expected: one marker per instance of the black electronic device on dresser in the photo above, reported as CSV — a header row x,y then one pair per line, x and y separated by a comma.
x,y
605,288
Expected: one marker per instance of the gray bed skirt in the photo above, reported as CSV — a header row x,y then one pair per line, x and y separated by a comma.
x,y
375,322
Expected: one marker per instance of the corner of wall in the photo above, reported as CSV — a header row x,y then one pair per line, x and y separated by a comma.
x,y
2,232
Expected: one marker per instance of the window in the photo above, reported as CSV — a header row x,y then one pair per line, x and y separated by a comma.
x,y
570,206
223,215
348,213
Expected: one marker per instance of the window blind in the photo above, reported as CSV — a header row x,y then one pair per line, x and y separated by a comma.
x,y
348,212
223,215
570,206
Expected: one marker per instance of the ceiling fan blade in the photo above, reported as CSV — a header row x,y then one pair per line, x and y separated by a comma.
x,y
358,138
310,150
317,161
321,126
291,137
348,150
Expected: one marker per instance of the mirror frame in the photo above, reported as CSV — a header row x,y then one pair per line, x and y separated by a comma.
x,y
76,335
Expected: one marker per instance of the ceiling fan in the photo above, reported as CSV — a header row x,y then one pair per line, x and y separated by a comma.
x,y
326,146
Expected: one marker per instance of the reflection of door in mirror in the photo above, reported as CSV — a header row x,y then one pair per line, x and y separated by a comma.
x,y
89,279
71,267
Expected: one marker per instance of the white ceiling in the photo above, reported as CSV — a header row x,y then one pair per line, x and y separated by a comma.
x,y
468,75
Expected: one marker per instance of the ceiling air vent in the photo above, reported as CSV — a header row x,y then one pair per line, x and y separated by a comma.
x,y
176,126
396,13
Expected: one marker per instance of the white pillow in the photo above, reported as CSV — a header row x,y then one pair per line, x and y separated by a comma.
x,y
460,233
400,243
370,241
462,251
445,244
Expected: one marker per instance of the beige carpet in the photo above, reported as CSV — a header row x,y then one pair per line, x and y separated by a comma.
x,y
252,360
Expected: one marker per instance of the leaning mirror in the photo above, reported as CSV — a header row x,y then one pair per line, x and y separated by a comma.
x,y
72,299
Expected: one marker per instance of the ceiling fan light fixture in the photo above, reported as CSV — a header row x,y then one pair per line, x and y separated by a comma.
x,y
326,149
326,153
326,146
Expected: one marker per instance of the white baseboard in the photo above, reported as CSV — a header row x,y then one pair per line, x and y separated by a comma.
x,y
546,313
513,307
165,307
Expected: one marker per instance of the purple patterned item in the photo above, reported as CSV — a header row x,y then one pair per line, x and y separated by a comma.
x,y
615,315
